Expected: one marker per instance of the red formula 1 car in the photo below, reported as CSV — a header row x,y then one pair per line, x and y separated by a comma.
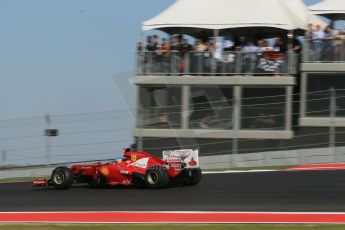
x,y
178,166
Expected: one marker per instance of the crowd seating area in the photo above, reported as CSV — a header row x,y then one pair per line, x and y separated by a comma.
x,y
226,57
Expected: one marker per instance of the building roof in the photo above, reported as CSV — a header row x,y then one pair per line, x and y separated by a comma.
x,y
186,15
332,9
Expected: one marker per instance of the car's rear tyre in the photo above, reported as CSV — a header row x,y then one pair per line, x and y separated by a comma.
x,y
156,178
62,178
196,177
191,177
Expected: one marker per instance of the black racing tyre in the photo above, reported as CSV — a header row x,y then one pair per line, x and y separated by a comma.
x,y
100,182
94,184
195,177
191,177
62,178
157,178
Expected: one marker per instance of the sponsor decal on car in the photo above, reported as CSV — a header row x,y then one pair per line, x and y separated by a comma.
x,y
192,162
86,167
141,163
189,157
105,171
133,158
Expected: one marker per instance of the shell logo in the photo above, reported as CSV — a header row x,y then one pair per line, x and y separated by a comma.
x,y
105,171
192,162
133,158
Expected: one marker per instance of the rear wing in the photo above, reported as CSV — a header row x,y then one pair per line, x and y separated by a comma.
x,y
189,157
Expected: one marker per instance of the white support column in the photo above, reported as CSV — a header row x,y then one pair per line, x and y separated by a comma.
x,y
290,36
332,126
185,107
236,122
303,95
288,108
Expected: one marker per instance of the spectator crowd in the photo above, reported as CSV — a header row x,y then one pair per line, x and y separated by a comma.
x,y
213,55
324,44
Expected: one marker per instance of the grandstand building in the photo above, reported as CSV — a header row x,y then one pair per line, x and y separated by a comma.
x,y
241,109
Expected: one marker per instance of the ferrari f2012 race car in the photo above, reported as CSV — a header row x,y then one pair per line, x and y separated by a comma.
x,y
134,168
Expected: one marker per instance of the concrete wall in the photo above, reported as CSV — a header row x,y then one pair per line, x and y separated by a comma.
x,y
276,158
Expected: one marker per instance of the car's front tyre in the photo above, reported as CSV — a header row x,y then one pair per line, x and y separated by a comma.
x,y
62,178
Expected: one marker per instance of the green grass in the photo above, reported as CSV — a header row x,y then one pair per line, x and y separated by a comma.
x,y
172,227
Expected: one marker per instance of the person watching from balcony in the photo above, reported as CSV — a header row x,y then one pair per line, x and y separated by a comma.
x,y
175,48
309,32
151,47
294,59
280,49
250,47
308,51
140,57
296,45
208,61
175,45
199,46
158,62
328,43
229,44
199,50
317,38
279,45
266,46
229,56
185,47
185,57
165,46
339,49
152,44
165,50
249,56
260,45
265,58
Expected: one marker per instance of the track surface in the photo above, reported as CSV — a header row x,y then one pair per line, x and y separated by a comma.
x,y
266,191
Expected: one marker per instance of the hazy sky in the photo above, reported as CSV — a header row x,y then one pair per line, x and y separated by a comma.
x,y
59,56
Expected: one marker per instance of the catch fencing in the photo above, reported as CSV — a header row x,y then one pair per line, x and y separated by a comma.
x,y
102,136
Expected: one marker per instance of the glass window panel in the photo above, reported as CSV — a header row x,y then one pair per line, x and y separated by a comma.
x,y
318,95
263,108
159,107
211,107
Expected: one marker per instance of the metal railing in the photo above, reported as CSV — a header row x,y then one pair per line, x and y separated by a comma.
x,y
222,64
324,50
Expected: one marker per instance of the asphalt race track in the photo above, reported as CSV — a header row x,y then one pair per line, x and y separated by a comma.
x,y
319,191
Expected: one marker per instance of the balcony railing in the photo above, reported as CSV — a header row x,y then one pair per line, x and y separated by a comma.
x,y
324,50
208,63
